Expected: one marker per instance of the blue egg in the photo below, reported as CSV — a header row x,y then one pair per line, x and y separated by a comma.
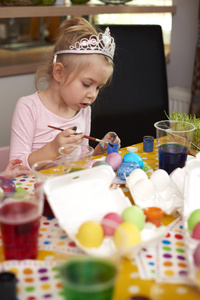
x,y
131,156
126,168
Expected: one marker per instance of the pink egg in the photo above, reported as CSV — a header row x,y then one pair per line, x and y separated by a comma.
x,y
110,222
196,256
196,232
114,159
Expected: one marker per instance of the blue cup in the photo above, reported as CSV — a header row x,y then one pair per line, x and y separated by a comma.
x,y
148,142
113,147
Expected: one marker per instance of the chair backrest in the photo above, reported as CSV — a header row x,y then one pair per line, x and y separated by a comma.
x,y
138,94
4,157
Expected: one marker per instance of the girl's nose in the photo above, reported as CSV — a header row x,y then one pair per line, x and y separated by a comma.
x,y
92,94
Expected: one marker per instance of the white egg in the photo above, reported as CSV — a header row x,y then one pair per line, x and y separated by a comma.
x,y
160,179
143,189
178,178
135,176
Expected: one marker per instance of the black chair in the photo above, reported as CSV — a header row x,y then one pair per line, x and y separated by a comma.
x,y
138,94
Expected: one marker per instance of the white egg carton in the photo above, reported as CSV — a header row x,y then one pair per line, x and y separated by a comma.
x,y
191,203
86,195
160,190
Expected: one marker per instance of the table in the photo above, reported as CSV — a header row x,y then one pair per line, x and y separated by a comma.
x,y
39,279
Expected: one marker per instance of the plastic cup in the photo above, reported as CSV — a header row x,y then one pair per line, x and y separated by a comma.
x,y
77,157
92,276
19,223
148,142
44,170
174,140
154,215
88,278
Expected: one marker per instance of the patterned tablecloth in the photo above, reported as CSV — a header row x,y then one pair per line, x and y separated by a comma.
x,y
158,272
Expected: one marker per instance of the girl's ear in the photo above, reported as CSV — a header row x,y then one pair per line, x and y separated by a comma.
x,y
58,71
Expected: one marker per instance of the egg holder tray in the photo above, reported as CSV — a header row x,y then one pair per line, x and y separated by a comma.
x,y
86,196
166,191
191,203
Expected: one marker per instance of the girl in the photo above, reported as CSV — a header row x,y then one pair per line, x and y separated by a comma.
x,y
80,65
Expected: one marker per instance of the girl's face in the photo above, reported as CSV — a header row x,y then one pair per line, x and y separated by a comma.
x,y
82,90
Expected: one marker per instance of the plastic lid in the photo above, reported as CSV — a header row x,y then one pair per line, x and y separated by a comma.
x,y
7,286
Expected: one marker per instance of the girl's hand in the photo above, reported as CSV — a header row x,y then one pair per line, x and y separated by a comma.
x,y
50,151
14,169
67,136
110,137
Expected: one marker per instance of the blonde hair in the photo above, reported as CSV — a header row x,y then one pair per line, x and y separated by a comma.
x,y
70,32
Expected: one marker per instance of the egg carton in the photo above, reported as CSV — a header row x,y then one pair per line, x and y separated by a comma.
x,y
160,190
85,195
191,203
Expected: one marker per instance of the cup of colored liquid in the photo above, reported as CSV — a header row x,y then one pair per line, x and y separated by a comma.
x,y
19,223
86,277
44,170
173,140
154,215
77,157
94,276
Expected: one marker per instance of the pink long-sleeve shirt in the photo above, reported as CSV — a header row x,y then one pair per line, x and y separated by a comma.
x,y
29,126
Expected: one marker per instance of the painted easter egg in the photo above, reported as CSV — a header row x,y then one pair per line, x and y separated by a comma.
x,y
110,222
134,157
126,235
196,232
196,256
7,184
90,234
193,219
134,214
126,168
114,159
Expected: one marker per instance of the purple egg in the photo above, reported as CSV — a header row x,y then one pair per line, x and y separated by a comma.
x,y
196,256
114,159
7,185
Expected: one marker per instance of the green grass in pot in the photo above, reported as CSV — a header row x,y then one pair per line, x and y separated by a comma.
x,y
180,116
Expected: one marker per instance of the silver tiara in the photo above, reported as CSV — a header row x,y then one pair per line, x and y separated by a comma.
x,y
102,43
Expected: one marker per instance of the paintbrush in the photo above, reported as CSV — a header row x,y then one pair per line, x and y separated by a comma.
x,y
85,136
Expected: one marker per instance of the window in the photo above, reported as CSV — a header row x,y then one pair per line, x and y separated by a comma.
x,y
163,19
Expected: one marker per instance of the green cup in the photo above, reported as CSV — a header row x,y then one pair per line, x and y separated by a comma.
x,y
88,278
